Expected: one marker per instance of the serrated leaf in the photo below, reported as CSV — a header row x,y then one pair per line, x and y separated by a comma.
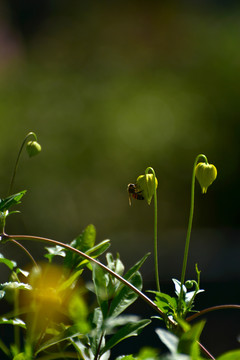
x,y
230,355
125,296
168,339
165,302
8,202
132,329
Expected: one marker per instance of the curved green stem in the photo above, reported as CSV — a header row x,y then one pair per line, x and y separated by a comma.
x,y
213,308
17,160
155,228
89,258
186,250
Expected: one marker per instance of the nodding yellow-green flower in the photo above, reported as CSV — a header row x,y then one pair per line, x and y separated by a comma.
x,y
206,174
145,183
33,148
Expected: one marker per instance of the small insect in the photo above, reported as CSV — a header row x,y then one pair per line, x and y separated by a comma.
x,y
134,192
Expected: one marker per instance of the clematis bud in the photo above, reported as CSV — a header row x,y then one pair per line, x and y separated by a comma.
x,y
206,174
145,183
33,148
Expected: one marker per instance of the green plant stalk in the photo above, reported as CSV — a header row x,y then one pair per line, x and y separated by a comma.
x,y
17,160
155,229
186,250
89,258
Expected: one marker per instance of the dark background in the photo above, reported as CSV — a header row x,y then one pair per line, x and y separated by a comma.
x,y
111,88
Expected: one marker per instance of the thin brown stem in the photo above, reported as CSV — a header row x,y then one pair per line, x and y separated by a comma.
x,y
25,250
206,352
213,308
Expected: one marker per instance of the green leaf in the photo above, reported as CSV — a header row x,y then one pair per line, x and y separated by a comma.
x,y
83,242
188,341
94,252
230,355
15,285
9,263
17,322
135,267
101,281
96,333
8,202
125,296
66,284
69,333
168,339
21,356
131,329
165,302
55,251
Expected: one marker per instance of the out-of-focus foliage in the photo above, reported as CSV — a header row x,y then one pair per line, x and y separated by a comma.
x,y
111,88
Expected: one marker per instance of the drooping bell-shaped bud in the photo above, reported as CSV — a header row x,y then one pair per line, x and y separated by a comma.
x,y
146,184
206,174
33,148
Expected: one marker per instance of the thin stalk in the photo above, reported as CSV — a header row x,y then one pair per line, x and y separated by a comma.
x,y
186,250
212,308
155,229
205,351
89,258
16,328
17,160
26,251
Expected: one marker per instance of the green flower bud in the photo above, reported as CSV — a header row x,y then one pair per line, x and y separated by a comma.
x,y
33,148
189,284
145,183
206,174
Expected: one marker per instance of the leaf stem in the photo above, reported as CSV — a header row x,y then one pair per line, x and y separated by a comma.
x,y
155,228
17,160
186,250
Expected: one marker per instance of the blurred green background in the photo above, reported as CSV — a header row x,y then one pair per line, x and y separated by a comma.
x,y
111,88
